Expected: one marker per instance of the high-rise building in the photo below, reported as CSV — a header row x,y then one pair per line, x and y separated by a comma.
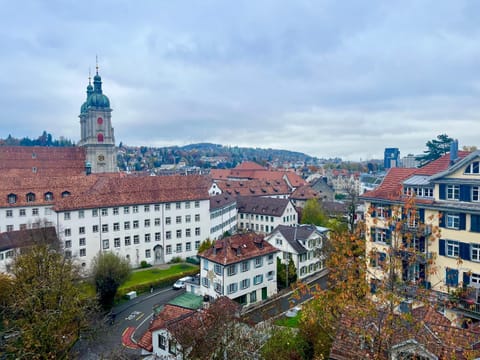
x,y
391,158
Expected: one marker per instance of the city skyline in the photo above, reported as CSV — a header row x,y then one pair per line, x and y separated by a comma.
x,y
325,78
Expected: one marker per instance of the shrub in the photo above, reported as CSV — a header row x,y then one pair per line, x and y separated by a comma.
x,y
144,264
176,260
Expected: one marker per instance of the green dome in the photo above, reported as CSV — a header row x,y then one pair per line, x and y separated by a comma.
x,y
98,100
84,107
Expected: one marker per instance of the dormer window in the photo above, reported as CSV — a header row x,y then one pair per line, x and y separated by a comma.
x,y
12,198
30,197
473,168
48,196
65,194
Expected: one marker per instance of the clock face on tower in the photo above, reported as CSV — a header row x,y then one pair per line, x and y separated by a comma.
x,y
101,157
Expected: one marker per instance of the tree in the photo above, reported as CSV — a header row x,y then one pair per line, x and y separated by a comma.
x,y
109,271
46,308
313,213
435,149
282,281
206,244
285,344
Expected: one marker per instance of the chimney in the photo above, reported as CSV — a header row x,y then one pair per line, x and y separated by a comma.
x,y
453,151
88,168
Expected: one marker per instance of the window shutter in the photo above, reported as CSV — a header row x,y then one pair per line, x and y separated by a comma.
x,y
374,213
382,257
372,234
462,221
442,219
443,191
466,278
475,223
451,277
421,215
465,193
464,251
441,247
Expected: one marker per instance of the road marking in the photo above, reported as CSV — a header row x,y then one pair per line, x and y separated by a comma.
x,y
141,315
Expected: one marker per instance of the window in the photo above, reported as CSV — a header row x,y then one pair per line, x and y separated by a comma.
x,y
232,270
167,206
48,196
23,226
168,220
232,288
197,244
161,342
270,275
453,192
187,204
94,212
12,198
157,236
168,235
178,248
106,244
83,252
475,252
205,282
258,262
136,239
104,228
81,242
245,266
178,220
218,269
381,235
168,249
157,222
217,287
197,231
81,214
474,278
253,296
257,279
126,225
35,212
188,246
476,193
116,242
179,234
104,212
197,204
452,221
188,218
115,211
116,226
453,248
81,230
157,207
197,217
188,232
126,209
30,197
473,168
245,283
147,223
23,212
128,241
135,209
95,228
270,258
135,224
148,253
146,208
68,244
172,347
147,238
9,213
178,205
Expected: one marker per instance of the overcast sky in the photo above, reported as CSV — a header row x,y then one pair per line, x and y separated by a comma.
x,y
328,78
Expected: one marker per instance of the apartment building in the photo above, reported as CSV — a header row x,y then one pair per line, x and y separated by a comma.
x,y
223,215
241,266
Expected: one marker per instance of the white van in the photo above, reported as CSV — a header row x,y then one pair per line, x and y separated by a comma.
x,y
180,283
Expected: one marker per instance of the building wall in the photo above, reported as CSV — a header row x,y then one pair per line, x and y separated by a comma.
x,y
222,220
266,223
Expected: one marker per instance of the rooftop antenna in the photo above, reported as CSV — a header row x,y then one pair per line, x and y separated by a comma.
x,y
89,76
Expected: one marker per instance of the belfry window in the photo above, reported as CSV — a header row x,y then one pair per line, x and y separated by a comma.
x,y
100,137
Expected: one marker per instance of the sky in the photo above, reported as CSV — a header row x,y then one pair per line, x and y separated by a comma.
x,y
329,78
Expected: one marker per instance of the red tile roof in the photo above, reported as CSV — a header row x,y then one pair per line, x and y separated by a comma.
x,y
305,192
249,165
238,248
262,205
21,238
253,187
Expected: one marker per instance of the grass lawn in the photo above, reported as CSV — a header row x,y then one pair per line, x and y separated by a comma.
x,y
154,274
289,321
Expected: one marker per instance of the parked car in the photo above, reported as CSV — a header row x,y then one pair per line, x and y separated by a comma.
x,y
180,283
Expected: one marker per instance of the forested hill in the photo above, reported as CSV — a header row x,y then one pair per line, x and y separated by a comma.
x,y
45,139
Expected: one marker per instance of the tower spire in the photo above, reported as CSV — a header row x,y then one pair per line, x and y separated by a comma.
x,y
89,76
96,61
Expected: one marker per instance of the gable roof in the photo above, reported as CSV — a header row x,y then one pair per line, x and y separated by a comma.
x,y
221,200
253,187
305,192
262,205
238,248
457,165
297,235
21,238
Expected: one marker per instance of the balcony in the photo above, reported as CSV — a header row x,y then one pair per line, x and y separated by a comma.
x,y
469,306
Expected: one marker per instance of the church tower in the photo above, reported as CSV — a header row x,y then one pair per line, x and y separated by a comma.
x,y
96,129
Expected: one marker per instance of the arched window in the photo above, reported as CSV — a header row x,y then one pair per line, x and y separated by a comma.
x,y
99,121
30,197
100,137
12,198
48,196
65,194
